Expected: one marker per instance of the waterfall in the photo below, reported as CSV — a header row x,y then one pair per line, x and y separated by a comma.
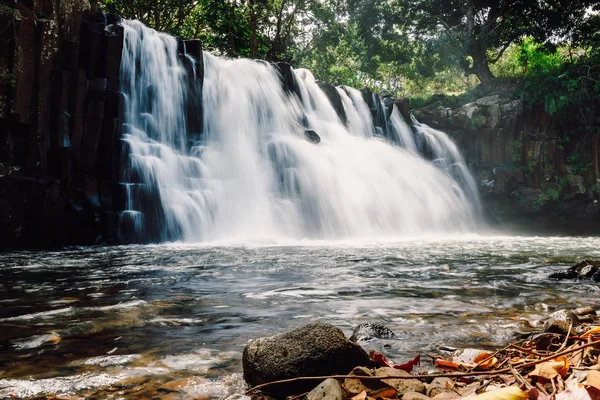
x,y
252,173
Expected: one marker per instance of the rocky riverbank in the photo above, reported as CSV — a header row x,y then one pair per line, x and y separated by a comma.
x,y
552,362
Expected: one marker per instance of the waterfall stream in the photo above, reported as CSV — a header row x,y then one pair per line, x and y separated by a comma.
x,y
252,174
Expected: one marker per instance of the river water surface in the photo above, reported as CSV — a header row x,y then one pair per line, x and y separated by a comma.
x,y
83,318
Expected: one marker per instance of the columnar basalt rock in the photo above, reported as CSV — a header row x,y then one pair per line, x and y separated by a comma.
x,y
60,124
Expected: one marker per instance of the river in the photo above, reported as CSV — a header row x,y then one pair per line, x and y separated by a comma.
x,y
78,319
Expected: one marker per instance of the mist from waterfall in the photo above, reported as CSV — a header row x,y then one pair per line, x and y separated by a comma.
x,y
253,175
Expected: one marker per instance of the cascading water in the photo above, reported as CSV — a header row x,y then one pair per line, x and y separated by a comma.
x,y
252,174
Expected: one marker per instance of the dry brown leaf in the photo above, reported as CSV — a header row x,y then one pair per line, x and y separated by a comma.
x,y
361,396
593,379
485,360
550,369
384,392
505,393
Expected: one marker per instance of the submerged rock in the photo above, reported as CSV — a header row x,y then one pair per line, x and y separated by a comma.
x,y
312,350
370,330
583,270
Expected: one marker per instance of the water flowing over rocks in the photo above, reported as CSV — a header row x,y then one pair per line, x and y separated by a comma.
x,y
312,350
107,148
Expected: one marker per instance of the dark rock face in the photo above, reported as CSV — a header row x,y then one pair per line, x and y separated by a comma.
x,y
314,349
60,124
312,136
522,161
583,270
370,330
335,100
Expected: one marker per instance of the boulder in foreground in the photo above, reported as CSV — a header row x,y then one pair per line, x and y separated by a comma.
x,y
315,349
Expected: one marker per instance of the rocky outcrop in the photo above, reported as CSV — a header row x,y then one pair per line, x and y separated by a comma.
x,y
530,164
60,124
315,349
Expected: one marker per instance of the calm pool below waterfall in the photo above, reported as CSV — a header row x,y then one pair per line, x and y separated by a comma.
x,y
82,318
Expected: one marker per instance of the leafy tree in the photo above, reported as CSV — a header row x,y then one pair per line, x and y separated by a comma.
x,y
478,32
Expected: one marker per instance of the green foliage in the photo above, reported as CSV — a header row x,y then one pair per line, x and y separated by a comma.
x,y
478,121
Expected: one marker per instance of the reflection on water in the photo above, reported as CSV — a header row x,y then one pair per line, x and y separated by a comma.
x,y
88,317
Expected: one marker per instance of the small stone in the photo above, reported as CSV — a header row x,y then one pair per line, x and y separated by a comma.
x,y
414,396
355,386
329,389
446,395
584,311
557,326
565,315
439,385
401,385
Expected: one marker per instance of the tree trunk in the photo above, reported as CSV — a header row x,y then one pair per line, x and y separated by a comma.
x,y
481,68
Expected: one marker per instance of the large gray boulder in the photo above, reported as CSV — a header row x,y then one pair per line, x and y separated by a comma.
x,y
316,349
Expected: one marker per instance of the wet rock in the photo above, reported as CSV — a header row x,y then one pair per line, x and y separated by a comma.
x,y
179,385
311,350
329,389
312,136
565,315
584,270
557,326
561,321
335,99
401,385
370,330
584,311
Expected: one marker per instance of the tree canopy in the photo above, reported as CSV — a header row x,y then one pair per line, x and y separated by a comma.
x,y
393,45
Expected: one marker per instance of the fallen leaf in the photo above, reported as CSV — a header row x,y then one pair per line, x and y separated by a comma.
x,y
379,358
408,367
591,331
447,364
361,396
54,337
485,360
505,393
383,392
593,379
551,369
573,391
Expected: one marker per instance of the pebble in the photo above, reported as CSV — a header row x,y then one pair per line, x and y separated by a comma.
x,y
401,385
329,389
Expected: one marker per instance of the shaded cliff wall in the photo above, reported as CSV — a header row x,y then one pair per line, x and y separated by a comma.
x,y
529,163
60,124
